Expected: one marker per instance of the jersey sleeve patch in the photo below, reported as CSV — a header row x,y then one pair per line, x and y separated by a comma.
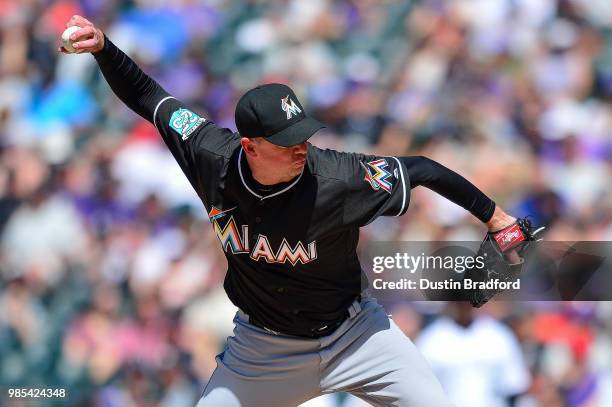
x,y
185,122
377,176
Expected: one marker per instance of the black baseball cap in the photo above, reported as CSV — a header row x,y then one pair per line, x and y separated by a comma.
x,y
274,112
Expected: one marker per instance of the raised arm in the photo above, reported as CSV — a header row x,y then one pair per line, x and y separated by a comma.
x,y
135,88
433,175
195,142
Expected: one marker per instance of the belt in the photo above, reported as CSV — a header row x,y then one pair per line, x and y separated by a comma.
x,y
320,330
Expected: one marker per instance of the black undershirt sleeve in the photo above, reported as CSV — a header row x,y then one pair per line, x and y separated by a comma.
x,y
449,184
135,88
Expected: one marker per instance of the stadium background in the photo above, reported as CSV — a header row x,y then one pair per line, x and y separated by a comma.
x,y
110,275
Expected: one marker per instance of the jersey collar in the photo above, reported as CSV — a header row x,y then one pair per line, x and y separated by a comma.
x,y
287,188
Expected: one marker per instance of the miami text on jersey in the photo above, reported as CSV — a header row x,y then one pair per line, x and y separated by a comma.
x,y
236,241
376,175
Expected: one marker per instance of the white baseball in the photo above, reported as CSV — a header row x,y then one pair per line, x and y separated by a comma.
x,y
66,41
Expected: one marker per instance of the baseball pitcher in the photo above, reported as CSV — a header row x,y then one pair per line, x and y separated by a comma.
x,y
287,215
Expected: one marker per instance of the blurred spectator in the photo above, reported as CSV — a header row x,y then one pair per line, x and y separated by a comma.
x,y
476,358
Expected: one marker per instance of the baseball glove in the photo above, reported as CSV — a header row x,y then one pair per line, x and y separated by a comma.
x,y
504,254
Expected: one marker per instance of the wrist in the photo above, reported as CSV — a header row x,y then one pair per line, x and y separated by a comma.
x,y
500,220
102,42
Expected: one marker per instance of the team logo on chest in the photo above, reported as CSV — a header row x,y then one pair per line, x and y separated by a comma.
x,y
376,175
235,239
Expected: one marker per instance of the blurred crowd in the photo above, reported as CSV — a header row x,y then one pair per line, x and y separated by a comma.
x,y
110,275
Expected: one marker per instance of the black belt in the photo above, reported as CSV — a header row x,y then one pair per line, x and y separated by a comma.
x,y
317,332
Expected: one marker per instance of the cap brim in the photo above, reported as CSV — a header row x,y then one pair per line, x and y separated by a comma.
x,y
297,133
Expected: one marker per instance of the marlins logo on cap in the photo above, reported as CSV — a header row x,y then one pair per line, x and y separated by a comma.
x,y
290,107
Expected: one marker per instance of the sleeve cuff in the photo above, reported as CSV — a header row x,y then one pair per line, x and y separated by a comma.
x,y
105,51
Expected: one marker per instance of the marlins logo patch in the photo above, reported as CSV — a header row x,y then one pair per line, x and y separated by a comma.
x,y
377,176
185,122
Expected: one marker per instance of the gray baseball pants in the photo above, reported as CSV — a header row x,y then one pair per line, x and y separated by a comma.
x,y
367,356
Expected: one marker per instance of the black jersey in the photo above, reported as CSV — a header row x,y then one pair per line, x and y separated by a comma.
x,y
291,253
291,249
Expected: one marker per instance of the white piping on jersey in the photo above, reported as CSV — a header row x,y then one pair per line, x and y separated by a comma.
x,y
253,192
399,164
157,107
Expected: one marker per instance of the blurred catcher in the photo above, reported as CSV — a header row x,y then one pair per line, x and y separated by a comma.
x,y
287,215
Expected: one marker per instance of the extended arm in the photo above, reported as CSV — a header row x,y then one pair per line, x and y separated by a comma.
x,y
430,174
505,245
135,88
184,131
